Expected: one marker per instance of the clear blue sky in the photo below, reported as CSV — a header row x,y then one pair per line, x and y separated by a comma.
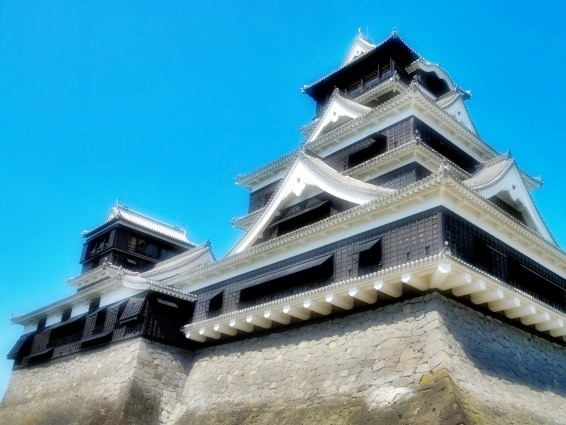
x,y
162,103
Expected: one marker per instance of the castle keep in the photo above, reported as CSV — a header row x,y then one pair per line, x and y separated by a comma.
x,y
392,269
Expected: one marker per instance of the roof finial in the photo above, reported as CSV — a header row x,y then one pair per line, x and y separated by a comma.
x,y
360,31
394,32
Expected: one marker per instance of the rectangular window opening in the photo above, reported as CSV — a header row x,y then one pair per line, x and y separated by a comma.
x,y
302,218
294,279
94,304
215,303
377,147
369,258
66,314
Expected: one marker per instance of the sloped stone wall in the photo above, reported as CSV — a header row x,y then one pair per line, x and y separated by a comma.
x,y
132,382
429,360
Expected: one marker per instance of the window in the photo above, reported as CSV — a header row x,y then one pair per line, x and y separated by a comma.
x,y
66,314
533,282
41,324
66,332
302,218
94,304
294,279
100,320
216,302
369,256
377,147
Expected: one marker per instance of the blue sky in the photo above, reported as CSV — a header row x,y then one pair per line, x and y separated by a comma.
x,y
162,103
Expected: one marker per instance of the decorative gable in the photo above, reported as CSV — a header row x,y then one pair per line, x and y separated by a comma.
x,y
359,48
307,175
338,111
500,180
453,105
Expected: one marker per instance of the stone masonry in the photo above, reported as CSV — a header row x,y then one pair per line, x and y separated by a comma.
x,y
428,360
132,382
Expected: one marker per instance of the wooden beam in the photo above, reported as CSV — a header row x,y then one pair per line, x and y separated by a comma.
x,y
550,325
226,330
471,288
504,304
241,325
340,301
317,307
394,290
284,319
523,310
460,279
487,296
363,295
298,312
211,333
536,318
258,321
195,336
415,281
558,332
440,274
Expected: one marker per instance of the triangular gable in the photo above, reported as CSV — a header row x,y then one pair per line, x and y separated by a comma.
x,y
454,105
360,46
307,173
338,111
501,177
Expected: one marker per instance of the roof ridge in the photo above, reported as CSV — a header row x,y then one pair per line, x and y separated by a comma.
x,y
119,208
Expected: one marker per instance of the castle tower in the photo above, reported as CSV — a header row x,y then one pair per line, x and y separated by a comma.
x,y
392,193
132,240
393,269
119,293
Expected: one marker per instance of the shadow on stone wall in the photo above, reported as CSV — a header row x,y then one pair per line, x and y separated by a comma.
x,y
435,403
504,352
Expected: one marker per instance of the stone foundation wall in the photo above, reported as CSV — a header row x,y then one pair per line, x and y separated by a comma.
x,y
429,360
132,382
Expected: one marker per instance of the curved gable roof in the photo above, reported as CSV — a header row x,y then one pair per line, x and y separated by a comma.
x,y
360,46
338,110
501,175
311,171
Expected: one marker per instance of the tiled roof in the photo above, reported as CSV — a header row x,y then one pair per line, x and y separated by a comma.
x,y
422,63
392,36
285,160
338,106
492,170
490,173
180,262
151,224
345,182
442,179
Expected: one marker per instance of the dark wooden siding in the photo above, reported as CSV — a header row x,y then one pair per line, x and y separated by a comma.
x,y
489,254
390,245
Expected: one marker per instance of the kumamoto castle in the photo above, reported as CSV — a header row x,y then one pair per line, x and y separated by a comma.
x,y
393,269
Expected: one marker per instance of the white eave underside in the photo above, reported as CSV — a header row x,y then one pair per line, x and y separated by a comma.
x,y
440,272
